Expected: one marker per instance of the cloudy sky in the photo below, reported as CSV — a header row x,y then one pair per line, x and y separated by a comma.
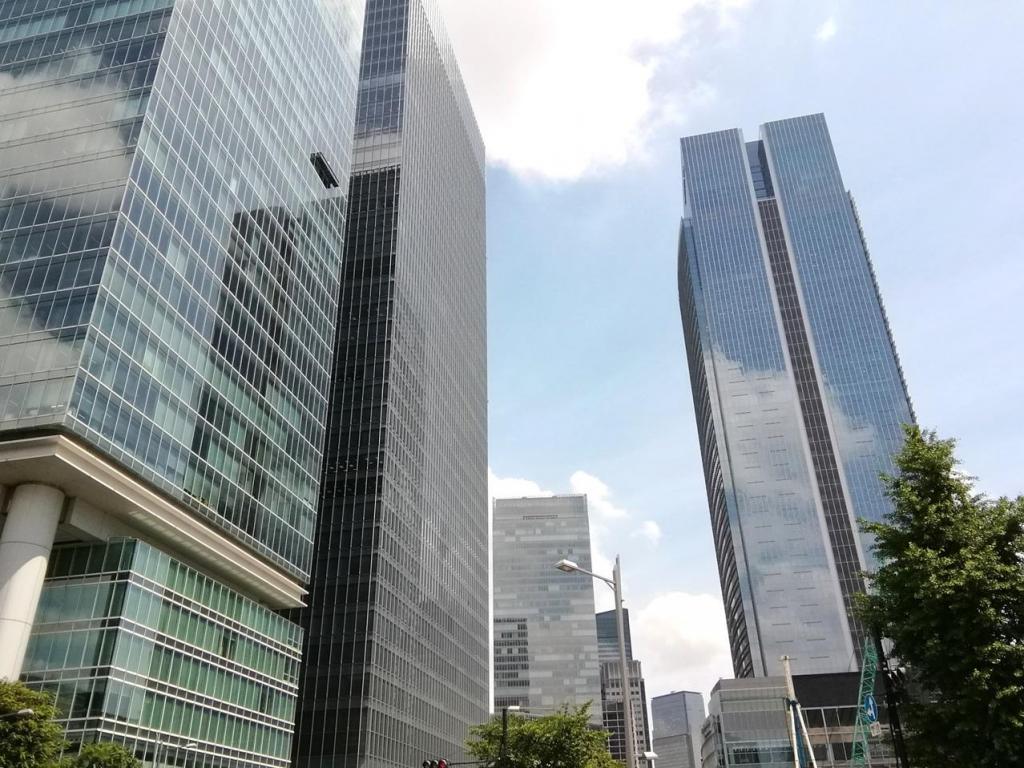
x,y
582,102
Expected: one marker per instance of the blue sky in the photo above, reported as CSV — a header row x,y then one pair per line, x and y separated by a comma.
x,y
582,107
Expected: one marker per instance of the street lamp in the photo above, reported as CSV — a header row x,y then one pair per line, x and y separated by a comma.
x,y
19,713
503,748
615,582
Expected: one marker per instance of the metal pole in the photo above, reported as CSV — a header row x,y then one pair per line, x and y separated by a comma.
x,y
790,719
503,749
627,691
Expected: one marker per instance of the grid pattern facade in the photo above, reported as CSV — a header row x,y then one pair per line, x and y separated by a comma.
x,y
781,443
678,718
396,663
512,661
530,535
612,708
608,636
140,649
170,279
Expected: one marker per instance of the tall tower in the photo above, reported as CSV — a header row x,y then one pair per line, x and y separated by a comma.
x,y
396,660
172,199
611,687
797,389
545,635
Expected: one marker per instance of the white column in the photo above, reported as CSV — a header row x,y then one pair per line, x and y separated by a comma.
x,y
32,517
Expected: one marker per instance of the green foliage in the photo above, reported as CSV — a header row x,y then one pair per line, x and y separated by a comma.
x,y
104,755
949,593
561,740
33,741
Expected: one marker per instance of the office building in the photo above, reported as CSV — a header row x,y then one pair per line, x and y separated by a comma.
x,y
545,635
797,389
747,723
613,713
396,663
678,718
172,199
611,686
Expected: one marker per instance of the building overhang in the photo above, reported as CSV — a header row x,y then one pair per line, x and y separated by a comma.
x,y
84,475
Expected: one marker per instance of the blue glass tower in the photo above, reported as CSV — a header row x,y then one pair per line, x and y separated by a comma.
x,y
797,388
173,182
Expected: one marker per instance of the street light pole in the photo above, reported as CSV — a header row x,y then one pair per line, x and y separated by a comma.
x,y
627,690
615,582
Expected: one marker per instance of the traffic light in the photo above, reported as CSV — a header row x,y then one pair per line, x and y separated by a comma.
x,y
440,763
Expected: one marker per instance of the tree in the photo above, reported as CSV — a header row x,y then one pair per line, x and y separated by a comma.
x,y
949,594
104,755
28,741
561,740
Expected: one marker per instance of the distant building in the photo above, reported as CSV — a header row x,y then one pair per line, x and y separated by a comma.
x,y
798,393
611,686
746,722
678,718
545,636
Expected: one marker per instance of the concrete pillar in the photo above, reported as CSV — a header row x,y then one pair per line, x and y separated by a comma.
x,y
32,517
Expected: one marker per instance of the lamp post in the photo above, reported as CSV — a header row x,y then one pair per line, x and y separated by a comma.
x,y
19,713
615,582
503,748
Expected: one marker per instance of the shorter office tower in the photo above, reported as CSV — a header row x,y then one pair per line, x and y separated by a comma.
x,y
545,635
612,708
747,723
118,621
678,718
611,686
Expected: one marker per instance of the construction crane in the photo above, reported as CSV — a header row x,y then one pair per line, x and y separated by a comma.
x,y
867,710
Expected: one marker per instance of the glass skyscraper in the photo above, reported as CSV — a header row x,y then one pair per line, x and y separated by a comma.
x,y
173,180
545,633
395,667
678,718
797,388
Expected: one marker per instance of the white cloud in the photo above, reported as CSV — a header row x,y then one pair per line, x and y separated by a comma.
x,y
598,496
56,118
827,30
512,487
563,88
682,642
649,530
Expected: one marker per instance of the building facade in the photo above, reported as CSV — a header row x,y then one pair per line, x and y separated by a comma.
x,y
747,723
545,635
171,222
797,388
611,686
678,718
396,659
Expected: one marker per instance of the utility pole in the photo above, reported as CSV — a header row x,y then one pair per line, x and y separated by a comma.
x,y
790,718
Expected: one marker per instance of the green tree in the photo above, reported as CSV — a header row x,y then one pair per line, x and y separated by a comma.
x,y
29,740
560,740
104,755
949,594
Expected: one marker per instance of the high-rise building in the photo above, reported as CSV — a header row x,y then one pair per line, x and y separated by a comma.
x,y
611,686
613,712
678,718
545,634
172,199
396,663
797,389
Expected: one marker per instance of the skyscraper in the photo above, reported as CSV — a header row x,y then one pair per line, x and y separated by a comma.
x,y
396,659
611,686
678,718
797,389
545,635
172,180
